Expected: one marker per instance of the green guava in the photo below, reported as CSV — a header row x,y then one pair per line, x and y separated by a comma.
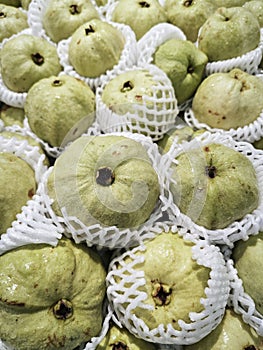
x,y
106,179
60,108
11,115
141,16
61,18
174,281
215,185
15,3
12,21
14,194
256,8
232,333
258,144
228,100
95,47
51,297
184,65
247,256
25,59
121,339
238,25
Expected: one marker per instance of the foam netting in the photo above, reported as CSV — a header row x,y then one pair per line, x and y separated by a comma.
x,y
110,236
30,225
35,13
248,62
153,117
12,98
127,59
241,302
248,133
124,281
250,224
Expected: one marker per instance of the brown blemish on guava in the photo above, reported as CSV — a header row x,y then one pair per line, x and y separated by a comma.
x,y
63,309
31,193
119,346
89,30
206,149
138,98
105,176
74,9
161,293
55,341
37,59
13,303
144,4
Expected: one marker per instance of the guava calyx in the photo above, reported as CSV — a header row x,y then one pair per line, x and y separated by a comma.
x,y
2,14
57,82
63,309
119,346
127,86
89,30
74,9
210,171
161,293
144,4
37,58
250,347
105,176
188,3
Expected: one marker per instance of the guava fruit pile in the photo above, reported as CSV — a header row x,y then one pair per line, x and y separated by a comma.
x,y
131,174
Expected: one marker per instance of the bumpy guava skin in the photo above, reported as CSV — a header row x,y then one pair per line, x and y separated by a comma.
x,y
14,194
12,21
51,297
175,283
141,16
11,115
106,179
247,256
57,105
95,47
216,185
232,333
228,100
121,339
184,65
256,8
61,18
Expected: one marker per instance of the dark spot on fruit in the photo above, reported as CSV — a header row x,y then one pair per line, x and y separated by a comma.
x,y
12,302
224,117
2,15
63,309
206,149
210,171
138,97
190,69
105,176
250,347
144,4
161,294
227,19
119,346
127,86
188,3
37,58
79,41
89,30
57,82
35,285
74,9
31,193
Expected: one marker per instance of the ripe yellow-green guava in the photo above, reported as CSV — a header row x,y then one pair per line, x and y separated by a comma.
x,y
215,185
95,47
107,179
51,297
12,21
247,256
232,333
174,281
61,18
17,186
12,115
60,108
121,339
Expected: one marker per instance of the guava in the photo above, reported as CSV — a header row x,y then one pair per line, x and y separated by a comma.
x,y
215,185
258,144
105,179
184,65
141,16
12,21
60,108
11,115
256,8
174,281
121,339
228,100
232,333
51,297
25,59
14,194
95,47
247,256
61,18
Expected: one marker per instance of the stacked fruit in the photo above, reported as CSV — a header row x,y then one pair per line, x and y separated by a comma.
x,y
131,165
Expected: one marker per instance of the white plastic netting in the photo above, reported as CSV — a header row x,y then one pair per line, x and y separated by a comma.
x,y
153,116
124,281
249,224
127,59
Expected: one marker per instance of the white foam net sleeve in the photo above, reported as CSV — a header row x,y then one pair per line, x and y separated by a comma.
x,y
250,133
127,59
31,225
9,97
153,116
156,36
111,236
249,224
248,62
241,302
123,290
35,14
